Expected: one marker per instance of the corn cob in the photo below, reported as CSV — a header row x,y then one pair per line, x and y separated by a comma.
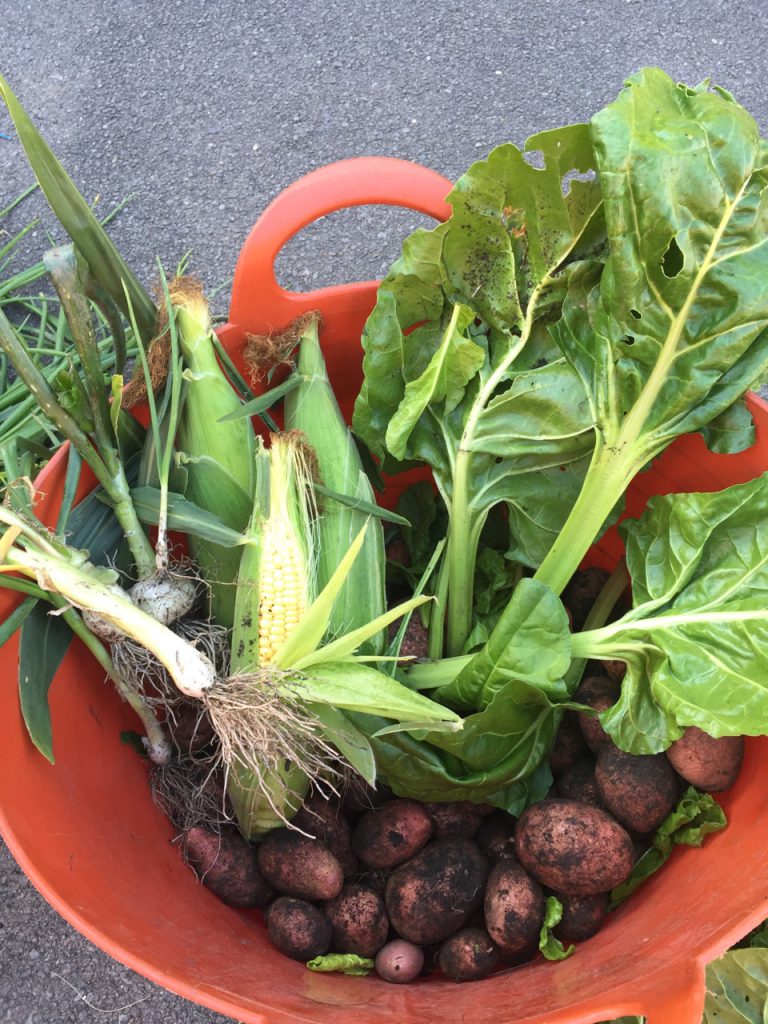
x,y
274,588
312,408
219,457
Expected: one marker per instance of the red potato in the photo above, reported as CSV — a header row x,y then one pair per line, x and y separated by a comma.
x,y
359,797
456,818
569,746
468,955
399,962
514,909
705,762
639,790
579,783
582,917
600,693
391,834
616,670
298,929
496,835
298,866
324,820
359,921
573,848
415,639
190,728
436,892
226,864
582,592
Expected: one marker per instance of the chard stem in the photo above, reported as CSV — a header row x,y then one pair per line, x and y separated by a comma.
x,y
607,478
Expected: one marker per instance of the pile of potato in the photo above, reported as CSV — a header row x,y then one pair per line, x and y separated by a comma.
x,y
460,886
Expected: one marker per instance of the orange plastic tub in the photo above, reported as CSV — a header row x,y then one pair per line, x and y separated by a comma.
x,y
87,835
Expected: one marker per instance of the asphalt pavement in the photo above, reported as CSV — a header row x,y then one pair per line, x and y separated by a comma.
x,y
203,112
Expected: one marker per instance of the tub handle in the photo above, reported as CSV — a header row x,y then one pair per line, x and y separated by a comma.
x,y
357,182
677,998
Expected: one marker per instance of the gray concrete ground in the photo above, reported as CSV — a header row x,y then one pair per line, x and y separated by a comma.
x,y
204,111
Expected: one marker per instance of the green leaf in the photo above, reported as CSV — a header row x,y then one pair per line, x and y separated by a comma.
x,y
352,686
737,988
44,641
695,817
344,963
531,643
107,266
17,617
347,738
184,516
263,402
366,508
697,635
552,948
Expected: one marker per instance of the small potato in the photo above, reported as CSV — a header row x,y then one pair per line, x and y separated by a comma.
x,y
391,834
359,921
359,797
298,866
436,892
468,955
456,818
582,917
323,819
415,639
496,835
600,693
582,592
298,929
514,909
705,762
226,864
573,848
616,670
399,961
639,790
578,783
569,747
190,728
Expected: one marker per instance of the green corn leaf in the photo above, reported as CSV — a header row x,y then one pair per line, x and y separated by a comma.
x,y
368,508
43,643
352,686
78,220
346,645
184,516
259,405
17,618
352,744
71,480
306,637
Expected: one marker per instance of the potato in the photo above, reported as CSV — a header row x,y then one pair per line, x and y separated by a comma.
x,y
707,763
436,892
323,819
373,879
582,917
226,864
391,834
298,929
639,790
569,746
600,693
578,783
496,835
359,921
615,670
415,640
399,962
456,818
514,909
468,955
582,592
298,866
573,848
359,797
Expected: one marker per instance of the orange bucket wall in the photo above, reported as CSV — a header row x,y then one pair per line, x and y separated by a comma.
x,y
89,838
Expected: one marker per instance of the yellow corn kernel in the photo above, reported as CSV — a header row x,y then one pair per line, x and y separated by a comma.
x,y
283,587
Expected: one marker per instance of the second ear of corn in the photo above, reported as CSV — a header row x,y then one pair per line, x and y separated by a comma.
x,y
218,455
312,409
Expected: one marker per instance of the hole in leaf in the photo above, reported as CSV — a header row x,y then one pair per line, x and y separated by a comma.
x,y
571,176
673,259
628,339
636,314
535,158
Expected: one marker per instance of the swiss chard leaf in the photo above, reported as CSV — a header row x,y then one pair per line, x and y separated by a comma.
x,y
697,635
670,331
737,988
458,370
696,816
551,947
